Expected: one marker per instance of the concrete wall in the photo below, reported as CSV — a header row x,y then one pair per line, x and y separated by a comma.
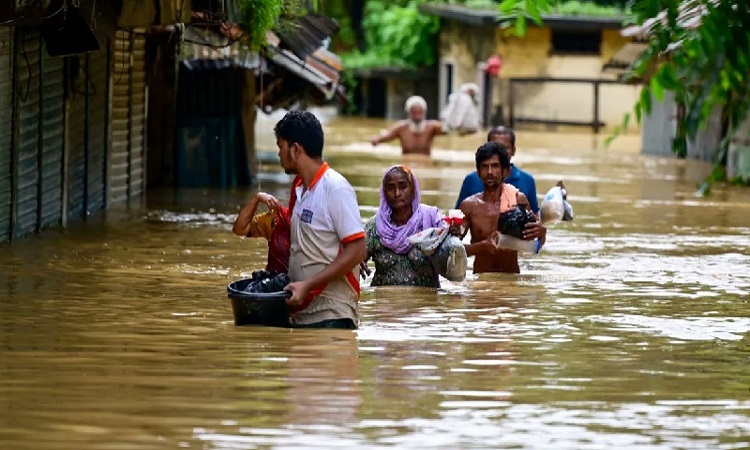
x,y
465,46
706,144
738,157
659,127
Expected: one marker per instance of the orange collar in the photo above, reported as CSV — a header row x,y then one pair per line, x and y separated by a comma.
x,y
318,175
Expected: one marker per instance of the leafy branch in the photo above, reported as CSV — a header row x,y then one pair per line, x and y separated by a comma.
x,y
259,16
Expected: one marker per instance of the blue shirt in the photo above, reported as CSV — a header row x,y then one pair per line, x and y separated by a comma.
x,y
523,181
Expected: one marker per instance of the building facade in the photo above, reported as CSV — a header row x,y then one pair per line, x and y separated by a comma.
x,y
550,76
73,121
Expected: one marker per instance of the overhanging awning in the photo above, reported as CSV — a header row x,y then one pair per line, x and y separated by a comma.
x,y
290,61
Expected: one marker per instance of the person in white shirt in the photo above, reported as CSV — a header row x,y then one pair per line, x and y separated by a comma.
x,y
462,111
327,238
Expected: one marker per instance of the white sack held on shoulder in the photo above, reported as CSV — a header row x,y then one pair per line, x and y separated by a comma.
x,y
555,205
462,111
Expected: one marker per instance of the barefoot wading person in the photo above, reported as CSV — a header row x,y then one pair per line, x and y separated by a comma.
x,y
482,211
399,216
327,236
416,133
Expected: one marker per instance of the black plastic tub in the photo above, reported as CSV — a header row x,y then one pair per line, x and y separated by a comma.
x,y
258,309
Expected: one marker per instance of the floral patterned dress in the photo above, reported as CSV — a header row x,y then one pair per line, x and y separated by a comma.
x,y
392,269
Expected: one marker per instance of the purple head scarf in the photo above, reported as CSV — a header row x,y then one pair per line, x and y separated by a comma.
x,y
395,236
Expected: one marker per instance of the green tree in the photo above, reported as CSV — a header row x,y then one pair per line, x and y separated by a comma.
x,y
397,36
699,50
256,17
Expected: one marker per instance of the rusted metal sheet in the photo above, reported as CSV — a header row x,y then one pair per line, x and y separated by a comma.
x,y
6,129
119,159
52,112
26,198
138,98
98,74
76,164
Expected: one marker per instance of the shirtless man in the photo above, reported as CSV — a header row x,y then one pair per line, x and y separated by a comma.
x,y
482,212
416,132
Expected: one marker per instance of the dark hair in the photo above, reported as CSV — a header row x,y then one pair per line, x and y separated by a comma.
x,y
490,149
503,130
303,128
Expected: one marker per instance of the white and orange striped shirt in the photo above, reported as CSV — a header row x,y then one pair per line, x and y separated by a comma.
x,y
325,216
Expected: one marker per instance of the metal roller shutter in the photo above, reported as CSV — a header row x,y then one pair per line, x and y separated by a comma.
x,y
76,151
119,169
53,131
138,116
97,129
28,132
6,130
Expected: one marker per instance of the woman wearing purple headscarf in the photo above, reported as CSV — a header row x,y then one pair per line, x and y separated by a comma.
x,y
400,215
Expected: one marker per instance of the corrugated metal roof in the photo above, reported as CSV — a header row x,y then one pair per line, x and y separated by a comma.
x,y
306,34
298,52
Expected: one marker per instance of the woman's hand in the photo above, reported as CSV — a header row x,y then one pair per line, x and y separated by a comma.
x,y
268,200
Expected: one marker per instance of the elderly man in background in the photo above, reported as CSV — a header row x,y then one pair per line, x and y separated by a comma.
x,y
415,133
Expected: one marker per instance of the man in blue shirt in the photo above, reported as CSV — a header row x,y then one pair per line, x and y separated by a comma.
x,y
523,181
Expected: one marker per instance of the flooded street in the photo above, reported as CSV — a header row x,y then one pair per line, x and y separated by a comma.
x,y
629,330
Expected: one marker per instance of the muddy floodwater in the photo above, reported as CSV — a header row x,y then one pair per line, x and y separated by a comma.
x,y
630,330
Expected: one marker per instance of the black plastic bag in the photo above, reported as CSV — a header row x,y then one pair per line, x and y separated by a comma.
x,y
513,221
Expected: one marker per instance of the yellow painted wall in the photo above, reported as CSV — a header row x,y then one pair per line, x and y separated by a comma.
x,y
530,57
465,47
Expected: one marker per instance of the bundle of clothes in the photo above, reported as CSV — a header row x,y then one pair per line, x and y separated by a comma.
x,y
267,282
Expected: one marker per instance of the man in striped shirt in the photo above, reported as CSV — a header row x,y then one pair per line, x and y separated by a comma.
x,y
327,238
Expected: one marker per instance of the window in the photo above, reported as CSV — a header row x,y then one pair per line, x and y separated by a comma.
x,y
448,80
576,42
446,83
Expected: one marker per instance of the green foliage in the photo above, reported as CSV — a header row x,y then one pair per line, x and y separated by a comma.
x,y
349,81
259,16
396,36
705,62
339,10
579,8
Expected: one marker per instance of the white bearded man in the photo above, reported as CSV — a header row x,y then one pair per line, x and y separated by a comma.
x,y
415,133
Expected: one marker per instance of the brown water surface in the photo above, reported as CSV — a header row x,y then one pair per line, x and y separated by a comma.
x,y
629,330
